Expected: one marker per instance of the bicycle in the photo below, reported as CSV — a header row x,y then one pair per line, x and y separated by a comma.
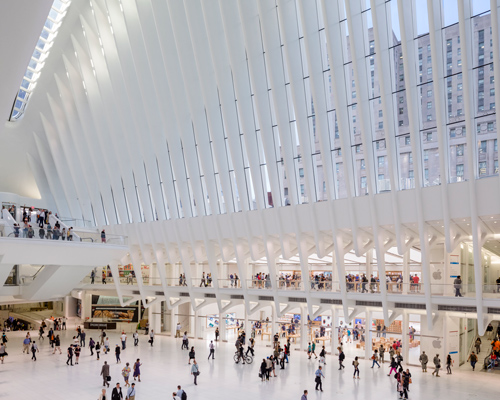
x,y
246,358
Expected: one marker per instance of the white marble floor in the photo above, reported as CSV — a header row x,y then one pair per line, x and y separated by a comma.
x,y
165,366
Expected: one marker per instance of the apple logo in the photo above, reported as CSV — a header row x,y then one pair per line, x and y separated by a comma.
x,y
436,344
437,275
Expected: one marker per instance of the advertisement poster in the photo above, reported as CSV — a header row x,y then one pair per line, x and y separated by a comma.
x,y
454,265
213,320
123,314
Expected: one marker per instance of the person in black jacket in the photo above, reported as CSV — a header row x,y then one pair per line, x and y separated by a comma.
x,y
341,358
117,393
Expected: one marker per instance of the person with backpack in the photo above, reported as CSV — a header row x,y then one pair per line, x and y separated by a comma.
x,y
473,360
375,358
341,358
394,366
437,365
322,356
181,394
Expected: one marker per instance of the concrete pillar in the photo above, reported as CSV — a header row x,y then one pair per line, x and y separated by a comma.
x,y
369,266
192,322
303,329
368,335
335,324
154,317
197,324
406,272
173,321
405,325
248,331
222,328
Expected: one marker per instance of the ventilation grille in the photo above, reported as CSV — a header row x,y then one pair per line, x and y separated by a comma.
x,y
159,293
330,301
369,303
237,297
267,298
210,295
410,305
297,300
184,294
136,292
470,309
493,310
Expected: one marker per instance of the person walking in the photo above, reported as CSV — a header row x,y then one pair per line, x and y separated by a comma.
x,y
126,374
137,370
341,359
34,349
78,349
91,346
83,335
106,345
477,345
3,351
103,396
263,369
131,392
195,371
309,351
216,334
394,366
136,338
105,374
251,344
191,355
375,358
97,349
103,236
473,360
102,336
449,362
381,352
405,379
151,337
124,340
57,344
117,354
178,330
355,363
212,350
457,283
313,348
117,394
322,355
92,277
319,375
70,355
304,396
26,344
185,341
423,361
269,367
437,365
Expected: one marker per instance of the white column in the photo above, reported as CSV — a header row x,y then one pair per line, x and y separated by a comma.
x,y
368,335
303,328
173,321
222,328
406,271
335,323
405,325
197,325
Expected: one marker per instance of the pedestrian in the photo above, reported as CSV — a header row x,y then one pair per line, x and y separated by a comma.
x,y
137,370
478,345
117,391
191,355
355,363
103,395
195,371
40,333
251,344
269,368
309,351
92,277
473,360
437,365
64,323
97,349
136,338
393,366
212,350
341,358
449,362
103,236
181,394
83,335
3,351
406,379
423,361
124,340
375,358
151,337
457,283
126,374
102,336
105,374
131,392
178,330
26,344
70,355
304,396
106,345
216,334
117,354
381,352
319,375
91,346
78,349
263,369
34,349
322,356
185,341
313,349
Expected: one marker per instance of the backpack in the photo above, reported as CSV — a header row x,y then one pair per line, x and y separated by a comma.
x,y
184,396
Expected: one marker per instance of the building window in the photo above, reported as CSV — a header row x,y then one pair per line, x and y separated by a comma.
x,y
429,93
381,161
429,71
428,48
495,145
482,147
429,105
429,59
496,166
401,99
429,117
460,171
363,182
410,174
490,127
301,172
459,63
401,110
453,132
426,155
428,136
380,113
353,94
401,77
426,175
492,91
459,99
400,123
478,128
410,157
459,111
492,79
482,168
460,150
358,148
492,106
407,140
362,163
381,125
381,177
459,86
302,190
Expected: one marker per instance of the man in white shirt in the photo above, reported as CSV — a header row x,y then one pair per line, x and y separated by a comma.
x,y
212,350
136,338
106,345
178,330
124,340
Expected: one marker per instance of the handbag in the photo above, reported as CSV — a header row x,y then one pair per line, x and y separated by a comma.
x,y
108,378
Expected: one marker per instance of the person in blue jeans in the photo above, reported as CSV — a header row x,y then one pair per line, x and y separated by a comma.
x,y
375,359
